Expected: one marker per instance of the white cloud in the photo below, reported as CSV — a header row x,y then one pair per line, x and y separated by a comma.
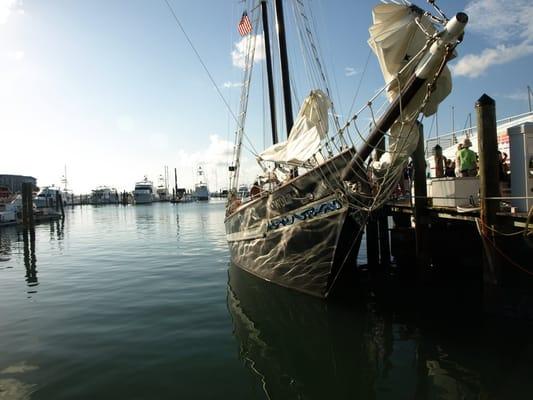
x,y
7,7
18,55
502,20
505,23
349,71
518,95
215,159
474,65
229,85
238,55
125,123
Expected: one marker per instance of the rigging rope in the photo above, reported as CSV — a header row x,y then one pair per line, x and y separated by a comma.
x,y
180,26
487,239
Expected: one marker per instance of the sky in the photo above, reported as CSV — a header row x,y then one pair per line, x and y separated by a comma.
x,y
112,89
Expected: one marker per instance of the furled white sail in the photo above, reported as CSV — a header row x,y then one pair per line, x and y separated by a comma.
x,y
310,127
395,38
399,33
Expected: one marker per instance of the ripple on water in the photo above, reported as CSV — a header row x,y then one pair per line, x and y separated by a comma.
x,y
134,302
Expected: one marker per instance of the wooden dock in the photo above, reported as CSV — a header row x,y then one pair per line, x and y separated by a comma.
x,y
484,244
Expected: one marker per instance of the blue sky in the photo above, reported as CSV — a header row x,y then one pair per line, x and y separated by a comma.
x,y
112,89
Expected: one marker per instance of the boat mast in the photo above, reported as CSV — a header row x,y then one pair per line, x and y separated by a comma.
x,y
285,78
271,98
65,181
176,180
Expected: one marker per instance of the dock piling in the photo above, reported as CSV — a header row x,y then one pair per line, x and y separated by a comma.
x,y
489,189
59,204
382,220
420,211
488,159
27,204
372,243
384,242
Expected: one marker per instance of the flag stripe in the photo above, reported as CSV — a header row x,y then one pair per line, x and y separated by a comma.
x,y
245,26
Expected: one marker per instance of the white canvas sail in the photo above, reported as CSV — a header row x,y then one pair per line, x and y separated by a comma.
x,y
310,127
395,38
399,33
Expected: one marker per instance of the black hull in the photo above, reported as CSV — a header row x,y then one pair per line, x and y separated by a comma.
x,y
299,236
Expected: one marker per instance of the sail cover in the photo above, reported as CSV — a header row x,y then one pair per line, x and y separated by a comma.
x,y
395,38
310,127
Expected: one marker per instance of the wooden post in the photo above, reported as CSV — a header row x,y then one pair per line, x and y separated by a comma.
x,y
489,187
59,204
27,203
25,218
382,221
372,243
420,213
384,246
488,158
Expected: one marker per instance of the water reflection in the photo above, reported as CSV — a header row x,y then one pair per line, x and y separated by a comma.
x,y
5,246
13,388
57,229
21,241
299,347
177,226
30,259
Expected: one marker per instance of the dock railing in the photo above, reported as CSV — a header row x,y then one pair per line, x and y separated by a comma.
x,y
454,137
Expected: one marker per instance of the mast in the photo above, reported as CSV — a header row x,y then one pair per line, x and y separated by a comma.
x,y
529,96
271,98
176,180
453,125
285,78
64,180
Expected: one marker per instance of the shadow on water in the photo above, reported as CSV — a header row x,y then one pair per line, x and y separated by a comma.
x,y
12,239
30,259
296,346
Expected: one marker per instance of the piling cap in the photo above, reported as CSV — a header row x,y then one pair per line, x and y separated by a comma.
x,y
467,143
485,100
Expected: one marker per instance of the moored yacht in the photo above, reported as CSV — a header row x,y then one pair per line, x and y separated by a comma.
x,y
201,191
48,195
104,195
162,190
144,192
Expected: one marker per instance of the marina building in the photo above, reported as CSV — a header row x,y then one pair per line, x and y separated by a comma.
x,y
14,182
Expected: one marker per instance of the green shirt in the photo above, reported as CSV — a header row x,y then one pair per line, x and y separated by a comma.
x,y
467,159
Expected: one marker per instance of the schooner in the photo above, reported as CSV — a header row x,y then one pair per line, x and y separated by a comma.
x,y
304,221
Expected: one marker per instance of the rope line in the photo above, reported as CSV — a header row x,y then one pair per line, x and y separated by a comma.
x,y
505,256
180,26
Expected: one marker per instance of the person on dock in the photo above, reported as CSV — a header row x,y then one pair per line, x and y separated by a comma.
x,y
503,168
467,160
450,168
457,161
440,161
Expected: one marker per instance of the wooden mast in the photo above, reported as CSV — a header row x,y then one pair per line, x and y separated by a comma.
x,y
285,78
270,77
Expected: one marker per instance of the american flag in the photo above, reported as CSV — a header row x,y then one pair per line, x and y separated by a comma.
x,y
245,26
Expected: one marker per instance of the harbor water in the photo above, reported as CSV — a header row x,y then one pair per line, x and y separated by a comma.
x,y
140,302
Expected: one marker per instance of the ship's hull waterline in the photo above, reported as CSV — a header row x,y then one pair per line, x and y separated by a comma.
x,y
295,240
143,198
